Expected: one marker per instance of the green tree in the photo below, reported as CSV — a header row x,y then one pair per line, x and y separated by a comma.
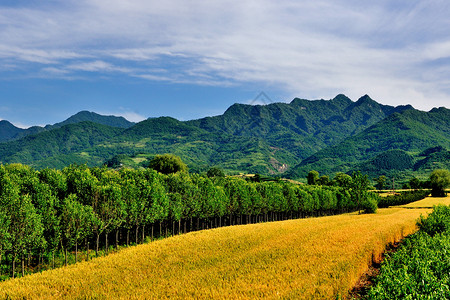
x,y
440,180
56,181
47,205
342,180
158,205
78,220
381,180
215,172
111,208
131,198
414,183
25,226
359,193
167,164
324,180
313,177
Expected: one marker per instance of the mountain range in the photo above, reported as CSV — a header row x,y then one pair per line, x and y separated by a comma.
x,y
281,139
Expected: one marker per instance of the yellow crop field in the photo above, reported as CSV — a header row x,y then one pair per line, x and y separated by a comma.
x,y
297,259
429,202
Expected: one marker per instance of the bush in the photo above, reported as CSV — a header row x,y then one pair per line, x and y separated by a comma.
x,y
420,268
168,164
402,198
440,180
436,222
370,204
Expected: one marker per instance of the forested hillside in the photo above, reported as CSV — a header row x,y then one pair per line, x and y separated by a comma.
x,y
411,131
9,132
286,139
65,140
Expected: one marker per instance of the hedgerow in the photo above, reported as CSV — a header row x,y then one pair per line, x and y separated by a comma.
x,y
420,269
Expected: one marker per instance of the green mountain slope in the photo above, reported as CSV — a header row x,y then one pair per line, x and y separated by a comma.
x,y
68,139
287,139
9,132
412,131
302,126
84,116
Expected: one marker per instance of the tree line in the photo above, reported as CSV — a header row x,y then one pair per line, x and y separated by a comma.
x,y
55,212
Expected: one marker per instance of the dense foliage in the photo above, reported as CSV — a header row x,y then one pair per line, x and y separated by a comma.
x,y
402,197
266,139
412,131
421,268
168,164
440,180
54,211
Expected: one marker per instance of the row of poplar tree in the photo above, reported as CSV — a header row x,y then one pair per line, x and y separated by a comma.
x,y
55,211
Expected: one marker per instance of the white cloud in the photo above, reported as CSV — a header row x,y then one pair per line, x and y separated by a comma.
x,y
311,49
132,116
126,113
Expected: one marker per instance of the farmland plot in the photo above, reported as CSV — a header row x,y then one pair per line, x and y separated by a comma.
x,y
306,258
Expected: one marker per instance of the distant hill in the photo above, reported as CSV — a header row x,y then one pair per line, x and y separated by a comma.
x,y
67,139
412,131
9,132
302,126
286,139
93,117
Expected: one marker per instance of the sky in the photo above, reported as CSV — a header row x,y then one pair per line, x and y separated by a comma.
x,y
189,59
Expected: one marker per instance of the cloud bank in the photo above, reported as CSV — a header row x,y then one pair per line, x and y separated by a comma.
x,y
397,52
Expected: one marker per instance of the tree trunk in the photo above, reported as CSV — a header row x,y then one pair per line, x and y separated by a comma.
x,y
13,266
128,237
39,261
106,243
97,242
53,259
153,226
65,256
117,239
143,233
137,234
179,226
76,250
87,249
166,229
23,266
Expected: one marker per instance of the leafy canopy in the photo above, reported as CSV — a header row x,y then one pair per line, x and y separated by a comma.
x,y
168,164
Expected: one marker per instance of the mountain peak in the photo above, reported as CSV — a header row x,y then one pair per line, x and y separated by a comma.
x,y
8,131
341,97
85,115
365,98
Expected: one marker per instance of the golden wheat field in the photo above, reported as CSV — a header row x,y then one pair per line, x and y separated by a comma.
x,y
315,258
429,202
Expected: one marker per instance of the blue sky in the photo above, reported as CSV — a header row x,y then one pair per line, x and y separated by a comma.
x,y
190,59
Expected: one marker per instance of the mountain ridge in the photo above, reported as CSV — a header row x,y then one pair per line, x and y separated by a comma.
x,y
279,138
10,132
